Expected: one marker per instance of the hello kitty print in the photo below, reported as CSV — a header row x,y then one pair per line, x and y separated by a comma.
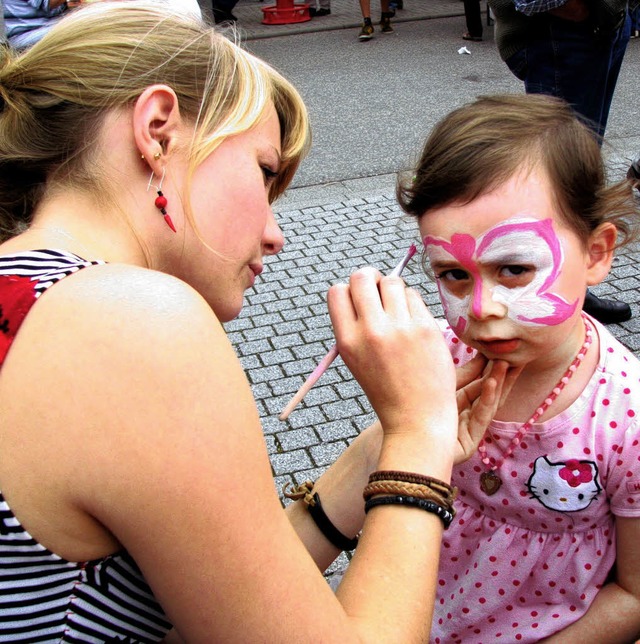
x,y
566,486
529,560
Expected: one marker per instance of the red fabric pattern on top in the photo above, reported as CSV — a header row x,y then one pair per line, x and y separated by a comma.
x,y
17,295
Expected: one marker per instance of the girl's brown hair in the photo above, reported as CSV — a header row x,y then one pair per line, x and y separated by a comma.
x,y
479,146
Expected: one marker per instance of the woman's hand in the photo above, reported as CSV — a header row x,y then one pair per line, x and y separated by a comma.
x,y
481,388
395,350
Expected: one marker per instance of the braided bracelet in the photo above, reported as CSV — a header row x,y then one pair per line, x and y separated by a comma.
x,y
444,489
418,490
429,506
312,500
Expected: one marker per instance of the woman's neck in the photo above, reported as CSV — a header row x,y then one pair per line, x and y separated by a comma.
x,y
73,222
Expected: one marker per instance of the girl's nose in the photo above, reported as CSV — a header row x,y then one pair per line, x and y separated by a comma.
x,y
272,239
482,303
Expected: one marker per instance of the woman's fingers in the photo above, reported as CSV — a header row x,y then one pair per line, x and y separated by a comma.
x,y
470,371
393,346
479,400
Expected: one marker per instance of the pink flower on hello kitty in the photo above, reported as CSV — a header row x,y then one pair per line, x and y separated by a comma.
x,y
576,473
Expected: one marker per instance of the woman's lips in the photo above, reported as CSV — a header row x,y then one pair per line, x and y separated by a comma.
x,y
499,346
255,269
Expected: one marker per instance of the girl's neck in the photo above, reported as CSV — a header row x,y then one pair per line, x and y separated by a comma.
x,y
539,377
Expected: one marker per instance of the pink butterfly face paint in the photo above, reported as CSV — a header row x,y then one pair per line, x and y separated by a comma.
x,y
511,269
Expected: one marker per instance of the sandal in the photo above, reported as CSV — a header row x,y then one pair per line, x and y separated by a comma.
x,y
468,36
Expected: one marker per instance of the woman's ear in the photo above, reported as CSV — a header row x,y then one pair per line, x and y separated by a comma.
x,y
156,121
600,247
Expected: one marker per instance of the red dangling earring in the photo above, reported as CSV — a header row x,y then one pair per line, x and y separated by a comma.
x,y
161,200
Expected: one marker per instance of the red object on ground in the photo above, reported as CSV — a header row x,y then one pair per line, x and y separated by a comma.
x,y
285,12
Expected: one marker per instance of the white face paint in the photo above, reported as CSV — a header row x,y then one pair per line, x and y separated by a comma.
x,y
528,257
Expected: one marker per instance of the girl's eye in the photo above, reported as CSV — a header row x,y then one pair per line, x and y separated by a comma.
x,y
453,275
514,270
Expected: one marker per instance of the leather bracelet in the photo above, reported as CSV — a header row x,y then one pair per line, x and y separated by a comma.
x,y
311,499
327,528
445,490
429,506
391,488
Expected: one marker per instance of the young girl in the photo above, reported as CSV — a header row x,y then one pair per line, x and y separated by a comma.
x,y
517,221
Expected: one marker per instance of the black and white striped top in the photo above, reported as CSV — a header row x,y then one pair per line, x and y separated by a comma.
x,y
44,598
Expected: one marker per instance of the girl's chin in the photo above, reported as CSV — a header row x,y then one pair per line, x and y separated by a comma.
x,y
513,360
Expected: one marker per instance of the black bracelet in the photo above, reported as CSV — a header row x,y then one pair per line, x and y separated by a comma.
x,y
327,528
445,515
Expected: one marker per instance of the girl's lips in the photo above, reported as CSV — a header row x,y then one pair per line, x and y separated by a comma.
x,y
500,346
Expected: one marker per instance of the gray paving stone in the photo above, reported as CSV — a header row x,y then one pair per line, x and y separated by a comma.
x,y
265,374
336,430
250,362
327,453
276,357
297,438
291,462
254,347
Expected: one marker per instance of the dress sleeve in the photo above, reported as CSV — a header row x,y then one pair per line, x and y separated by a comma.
x,y
623,482
460,352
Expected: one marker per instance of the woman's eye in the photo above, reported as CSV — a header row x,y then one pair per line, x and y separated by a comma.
x,y
269,175
452,275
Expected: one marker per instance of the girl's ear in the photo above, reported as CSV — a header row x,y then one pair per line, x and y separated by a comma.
x,y
600,246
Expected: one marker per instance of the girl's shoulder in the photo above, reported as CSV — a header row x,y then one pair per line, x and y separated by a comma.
x,y
616,359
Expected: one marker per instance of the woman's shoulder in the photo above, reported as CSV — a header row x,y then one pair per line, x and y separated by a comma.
x,y
107,293
111,317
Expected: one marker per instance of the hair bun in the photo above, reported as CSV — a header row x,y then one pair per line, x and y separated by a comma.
x,y
6,59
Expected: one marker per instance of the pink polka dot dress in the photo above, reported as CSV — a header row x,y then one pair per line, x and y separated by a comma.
x,y
527,561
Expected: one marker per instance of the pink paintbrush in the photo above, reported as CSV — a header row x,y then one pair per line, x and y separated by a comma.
x,y
333,352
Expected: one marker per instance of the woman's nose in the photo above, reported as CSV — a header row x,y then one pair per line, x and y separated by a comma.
x,y
272,239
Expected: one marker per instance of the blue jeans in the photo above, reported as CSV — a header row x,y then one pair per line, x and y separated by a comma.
x,y
566,59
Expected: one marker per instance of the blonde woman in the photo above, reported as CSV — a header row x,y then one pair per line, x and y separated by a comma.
x,y
139,156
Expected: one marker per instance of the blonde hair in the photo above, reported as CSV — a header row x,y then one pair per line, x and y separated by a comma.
x,y
479,146
54,96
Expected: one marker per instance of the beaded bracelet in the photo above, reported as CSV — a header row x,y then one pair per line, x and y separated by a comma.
x,y
312,500
429,506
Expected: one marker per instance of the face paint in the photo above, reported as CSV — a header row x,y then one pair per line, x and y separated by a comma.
x,y
515,242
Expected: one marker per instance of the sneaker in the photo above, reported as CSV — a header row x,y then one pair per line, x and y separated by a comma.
x,y
385,24
223,18
366,33
318,13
